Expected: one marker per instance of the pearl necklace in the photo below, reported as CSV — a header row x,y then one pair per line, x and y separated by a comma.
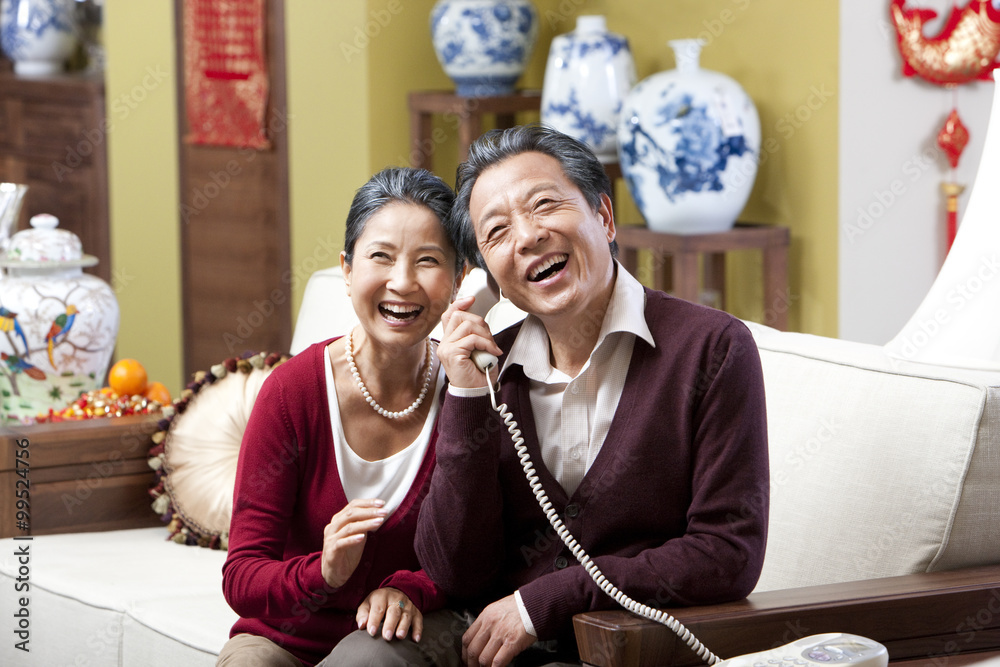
x,y
349,353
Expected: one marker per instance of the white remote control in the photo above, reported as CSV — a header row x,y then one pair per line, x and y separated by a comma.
x,y
833,648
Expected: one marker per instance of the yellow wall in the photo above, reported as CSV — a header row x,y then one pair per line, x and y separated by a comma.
x,y
350,65
142,172
330,124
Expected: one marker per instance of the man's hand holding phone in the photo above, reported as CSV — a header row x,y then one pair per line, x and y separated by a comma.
x,y
465,332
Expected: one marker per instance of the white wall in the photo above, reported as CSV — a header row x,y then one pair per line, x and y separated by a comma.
x,y
891,169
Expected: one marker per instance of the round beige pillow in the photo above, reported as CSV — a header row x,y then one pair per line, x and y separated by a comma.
x,y
195,451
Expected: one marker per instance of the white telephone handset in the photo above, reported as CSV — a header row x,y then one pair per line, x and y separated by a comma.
x,y
824,649
484,360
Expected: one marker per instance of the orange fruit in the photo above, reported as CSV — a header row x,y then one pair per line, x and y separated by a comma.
x,y
127,377
157,391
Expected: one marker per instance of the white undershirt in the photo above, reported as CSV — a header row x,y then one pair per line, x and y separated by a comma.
x,y
573,415
391,478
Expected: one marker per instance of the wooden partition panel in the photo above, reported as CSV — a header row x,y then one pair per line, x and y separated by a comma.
x,y
235,228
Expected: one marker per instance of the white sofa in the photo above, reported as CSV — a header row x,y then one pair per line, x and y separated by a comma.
x,y
879,468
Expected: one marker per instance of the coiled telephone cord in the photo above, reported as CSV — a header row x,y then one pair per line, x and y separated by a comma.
x,y
595,573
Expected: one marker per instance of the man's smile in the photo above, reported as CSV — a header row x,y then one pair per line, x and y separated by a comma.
x,y
547,267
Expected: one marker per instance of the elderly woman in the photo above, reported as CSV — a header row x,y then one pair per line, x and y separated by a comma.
x,y
321,554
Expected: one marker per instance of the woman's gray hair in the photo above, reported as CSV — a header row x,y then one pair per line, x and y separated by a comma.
x,y
402,185
578,162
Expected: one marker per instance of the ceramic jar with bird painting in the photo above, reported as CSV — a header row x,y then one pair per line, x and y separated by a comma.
x,y
58,325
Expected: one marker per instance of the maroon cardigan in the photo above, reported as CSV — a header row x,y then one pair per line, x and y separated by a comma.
x,y
673,510
287,489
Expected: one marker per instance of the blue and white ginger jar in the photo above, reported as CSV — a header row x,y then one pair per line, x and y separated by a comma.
x,y
588,74
38,35
484,45
689,145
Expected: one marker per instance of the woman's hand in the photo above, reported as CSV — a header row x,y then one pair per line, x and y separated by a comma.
x,y
463,333
399,614
344,538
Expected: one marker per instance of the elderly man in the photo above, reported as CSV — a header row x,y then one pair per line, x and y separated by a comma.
x,y
644,415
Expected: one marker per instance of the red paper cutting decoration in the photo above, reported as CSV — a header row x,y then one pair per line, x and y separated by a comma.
x,y
225,73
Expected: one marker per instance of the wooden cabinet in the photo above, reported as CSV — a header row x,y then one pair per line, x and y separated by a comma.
x,y
76,476
53,138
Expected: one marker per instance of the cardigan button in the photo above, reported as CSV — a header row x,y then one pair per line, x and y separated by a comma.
x,y
572,510
561,562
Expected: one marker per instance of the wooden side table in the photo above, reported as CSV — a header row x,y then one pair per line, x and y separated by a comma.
x,y
675,262
467,115
82,476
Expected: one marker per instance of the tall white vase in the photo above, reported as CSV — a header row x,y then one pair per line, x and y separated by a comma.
x,y
689,145
587,76
958,322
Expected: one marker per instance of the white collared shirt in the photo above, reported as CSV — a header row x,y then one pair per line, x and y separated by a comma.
x,y
573,415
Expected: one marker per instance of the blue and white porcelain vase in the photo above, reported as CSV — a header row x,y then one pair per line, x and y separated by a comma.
x,y
689,145
588,74
484,45
38,35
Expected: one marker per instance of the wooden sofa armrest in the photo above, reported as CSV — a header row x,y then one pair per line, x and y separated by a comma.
x,y
928,616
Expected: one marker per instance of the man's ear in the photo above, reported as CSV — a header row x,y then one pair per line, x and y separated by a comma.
x,y
345,268
607,214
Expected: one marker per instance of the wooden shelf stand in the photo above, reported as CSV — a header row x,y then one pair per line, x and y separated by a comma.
x,y
675,262
464,112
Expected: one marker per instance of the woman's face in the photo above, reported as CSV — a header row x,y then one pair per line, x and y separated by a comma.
x,y
403,274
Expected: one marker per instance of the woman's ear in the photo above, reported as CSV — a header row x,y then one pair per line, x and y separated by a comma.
x,y
345,268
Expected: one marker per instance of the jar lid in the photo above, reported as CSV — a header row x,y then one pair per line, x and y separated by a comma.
x,y
44,245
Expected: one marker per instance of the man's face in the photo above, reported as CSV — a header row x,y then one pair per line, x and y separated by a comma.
x,y
541,240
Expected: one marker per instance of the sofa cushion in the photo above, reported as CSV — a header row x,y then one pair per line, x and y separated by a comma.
x,y
878,467
94,594
187,630
196,451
